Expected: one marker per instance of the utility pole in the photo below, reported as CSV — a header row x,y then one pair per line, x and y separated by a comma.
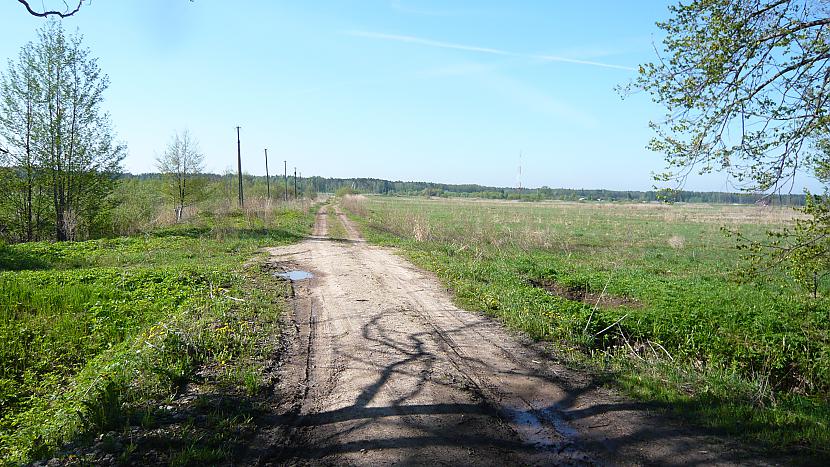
x,y
239,166
267,176
285,167
295,183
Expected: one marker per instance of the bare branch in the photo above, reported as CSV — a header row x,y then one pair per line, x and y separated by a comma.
x,y
47,13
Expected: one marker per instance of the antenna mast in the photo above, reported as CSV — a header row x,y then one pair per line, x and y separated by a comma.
x,y
519,177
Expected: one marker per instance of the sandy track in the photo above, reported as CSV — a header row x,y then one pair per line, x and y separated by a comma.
x,y
383,369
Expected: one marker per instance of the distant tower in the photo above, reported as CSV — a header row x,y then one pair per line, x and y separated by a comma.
x,y
519,176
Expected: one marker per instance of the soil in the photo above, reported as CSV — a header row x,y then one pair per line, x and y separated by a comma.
x,y
585,295
382,369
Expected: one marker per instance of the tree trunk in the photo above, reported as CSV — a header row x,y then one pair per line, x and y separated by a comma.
x,y
29,169
60,197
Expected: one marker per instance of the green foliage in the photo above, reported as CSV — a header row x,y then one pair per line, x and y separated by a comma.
x,y
13,260
61,160
309,192
135,205
345,191
802,251
744,89
96,331
181,165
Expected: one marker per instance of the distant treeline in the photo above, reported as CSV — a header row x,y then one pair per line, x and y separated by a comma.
x,y
387,187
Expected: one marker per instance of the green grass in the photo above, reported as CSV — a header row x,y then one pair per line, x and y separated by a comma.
x,y
673,325
336,230
94,330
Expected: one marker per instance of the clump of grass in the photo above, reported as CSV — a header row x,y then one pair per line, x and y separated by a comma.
x,y
354,204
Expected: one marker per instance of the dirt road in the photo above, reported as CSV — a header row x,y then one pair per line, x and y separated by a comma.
x,y
383,369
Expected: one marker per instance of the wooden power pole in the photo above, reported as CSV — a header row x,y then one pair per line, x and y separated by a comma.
x,y
295,183
239,167
267,176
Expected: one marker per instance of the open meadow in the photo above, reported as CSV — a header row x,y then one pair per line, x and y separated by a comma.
x,y
651,293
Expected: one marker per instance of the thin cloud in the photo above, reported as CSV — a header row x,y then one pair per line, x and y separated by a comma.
x,y
485,50
461,69
427,42
554,58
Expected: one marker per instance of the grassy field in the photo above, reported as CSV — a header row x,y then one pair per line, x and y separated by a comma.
x,y
100,335
647,291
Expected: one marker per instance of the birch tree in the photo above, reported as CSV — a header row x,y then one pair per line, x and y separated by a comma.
x,y
78,149
23,201
181,164
57,141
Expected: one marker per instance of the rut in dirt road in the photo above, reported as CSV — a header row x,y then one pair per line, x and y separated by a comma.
x,y
386,370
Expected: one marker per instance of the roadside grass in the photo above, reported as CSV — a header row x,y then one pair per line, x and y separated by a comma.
x,y
99,336
645,293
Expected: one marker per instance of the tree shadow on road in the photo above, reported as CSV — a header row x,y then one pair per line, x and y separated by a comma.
x,y
390,415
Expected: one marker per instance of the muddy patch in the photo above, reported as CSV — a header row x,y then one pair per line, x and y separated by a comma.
x,y
583,293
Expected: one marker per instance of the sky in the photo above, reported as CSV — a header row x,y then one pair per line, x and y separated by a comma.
x,y
423,90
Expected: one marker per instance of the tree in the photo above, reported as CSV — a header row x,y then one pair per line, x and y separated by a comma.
x,y
802,250
59,141
746,85
78,148
181,164
23,201
309,192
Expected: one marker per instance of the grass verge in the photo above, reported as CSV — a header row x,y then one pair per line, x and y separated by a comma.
x,y
102,336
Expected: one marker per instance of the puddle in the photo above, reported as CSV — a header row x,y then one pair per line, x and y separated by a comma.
x,y
531,429
295,275
543,428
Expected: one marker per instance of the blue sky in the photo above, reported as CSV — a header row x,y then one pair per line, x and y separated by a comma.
x,y
446,91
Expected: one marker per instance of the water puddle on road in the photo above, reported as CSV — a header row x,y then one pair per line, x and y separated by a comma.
x,y
295,275
543,428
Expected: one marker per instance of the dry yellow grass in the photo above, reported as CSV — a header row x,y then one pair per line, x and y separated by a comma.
x,y
565,226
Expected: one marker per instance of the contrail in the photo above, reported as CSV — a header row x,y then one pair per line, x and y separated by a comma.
x,y
485,50
427,42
